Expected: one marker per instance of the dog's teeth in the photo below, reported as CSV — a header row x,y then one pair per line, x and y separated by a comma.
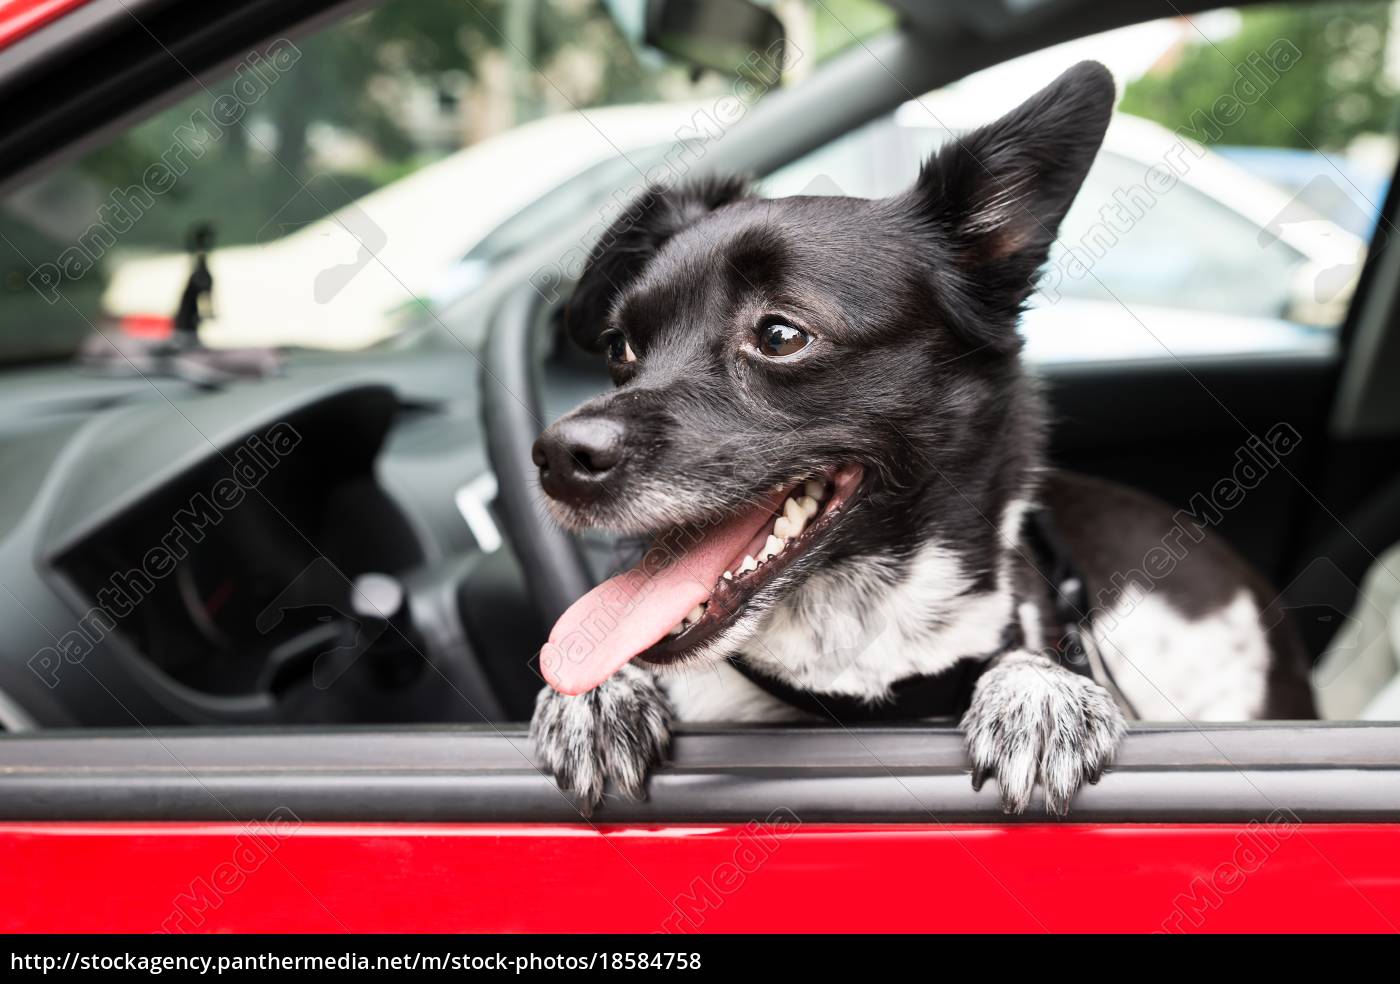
x,y
810,507
749,564
796,518
695,613
815,488
793,512
783,529
677,629
771,548
728,575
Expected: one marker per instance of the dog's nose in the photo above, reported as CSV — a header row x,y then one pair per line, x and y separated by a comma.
x,y
576,455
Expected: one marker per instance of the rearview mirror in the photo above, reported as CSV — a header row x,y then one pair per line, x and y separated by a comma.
x,y
733,37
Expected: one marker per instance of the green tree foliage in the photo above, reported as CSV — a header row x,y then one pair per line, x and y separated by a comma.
x,y
840,23
262,178
337,82
1336,90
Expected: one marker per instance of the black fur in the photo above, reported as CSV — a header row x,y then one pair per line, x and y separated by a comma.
x,y
619,256
913,369
993,201
912,302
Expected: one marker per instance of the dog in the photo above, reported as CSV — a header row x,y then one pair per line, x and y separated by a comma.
x,y
821,423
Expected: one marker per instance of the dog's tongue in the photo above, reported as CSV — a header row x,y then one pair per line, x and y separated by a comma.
x,y
632,611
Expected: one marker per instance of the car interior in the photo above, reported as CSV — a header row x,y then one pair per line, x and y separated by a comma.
x,y
187,543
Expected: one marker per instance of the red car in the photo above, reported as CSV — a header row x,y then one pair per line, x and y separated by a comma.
x,y
205,733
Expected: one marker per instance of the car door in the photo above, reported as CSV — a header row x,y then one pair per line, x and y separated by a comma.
x,y
454,827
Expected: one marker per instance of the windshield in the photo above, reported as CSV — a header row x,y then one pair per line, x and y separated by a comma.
x,y
334,186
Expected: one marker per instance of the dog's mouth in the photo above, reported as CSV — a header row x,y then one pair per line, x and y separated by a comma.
x,y
808,510
694,583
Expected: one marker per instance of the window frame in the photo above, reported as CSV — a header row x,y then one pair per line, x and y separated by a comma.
x,y
1311,772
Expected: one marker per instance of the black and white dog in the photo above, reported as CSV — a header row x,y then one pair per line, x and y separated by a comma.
x,y
822,424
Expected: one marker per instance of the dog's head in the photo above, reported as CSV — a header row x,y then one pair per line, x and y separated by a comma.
x,y
805,380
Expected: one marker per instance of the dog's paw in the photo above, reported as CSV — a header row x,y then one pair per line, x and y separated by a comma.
x,y
1033,721
617,731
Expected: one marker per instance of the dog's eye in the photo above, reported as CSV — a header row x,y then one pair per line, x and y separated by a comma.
x,y
619,349
778,340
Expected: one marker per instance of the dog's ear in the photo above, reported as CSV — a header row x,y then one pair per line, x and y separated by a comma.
x,y
995,198
656,215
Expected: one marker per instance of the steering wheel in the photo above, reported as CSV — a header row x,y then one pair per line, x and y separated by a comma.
x,y
552,562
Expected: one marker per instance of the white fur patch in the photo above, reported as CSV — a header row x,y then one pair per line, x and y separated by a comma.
x,y
1171,667
856,631
1028,612
1013,521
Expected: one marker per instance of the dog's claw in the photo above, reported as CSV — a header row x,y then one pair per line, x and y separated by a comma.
x,y
1031,722
616,732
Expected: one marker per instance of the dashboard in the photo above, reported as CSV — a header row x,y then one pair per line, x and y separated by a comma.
x,y
326,546
318,547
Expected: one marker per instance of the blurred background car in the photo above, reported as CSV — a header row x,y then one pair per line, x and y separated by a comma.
x,y
1162,264
1214,273
345,280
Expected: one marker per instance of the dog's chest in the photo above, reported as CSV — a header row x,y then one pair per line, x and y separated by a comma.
x,y
855,632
